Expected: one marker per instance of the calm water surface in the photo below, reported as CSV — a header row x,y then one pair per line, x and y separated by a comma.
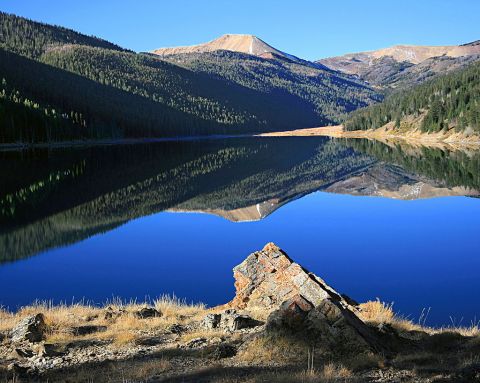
x,y
398,223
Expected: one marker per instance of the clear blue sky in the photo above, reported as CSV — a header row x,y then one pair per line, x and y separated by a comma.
x,y
306,28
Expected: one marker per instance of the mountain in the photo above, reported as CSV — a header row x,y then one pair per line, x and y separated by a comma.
x,y
402,66
448,103
46,73
329,95
248,44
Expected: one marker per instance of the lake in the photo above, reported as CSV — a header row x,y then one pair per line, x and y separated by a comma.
x,y
374,220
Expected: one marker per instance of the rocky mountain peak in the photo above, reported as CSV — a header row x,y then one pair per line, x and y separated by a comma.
x,y
242,43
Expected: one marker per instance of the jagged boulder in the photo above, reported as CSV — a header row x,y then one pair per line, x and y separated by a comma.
x,y
31,328
294,298
267,278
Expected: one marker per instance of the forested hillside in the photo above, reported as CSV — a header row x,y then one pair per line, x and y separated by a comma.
x,y
449,101
40,103
32,39
196,94
328,94
60,85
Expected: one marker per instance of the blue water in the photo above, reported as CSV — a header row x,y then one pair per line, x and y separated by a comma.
x,y
418,254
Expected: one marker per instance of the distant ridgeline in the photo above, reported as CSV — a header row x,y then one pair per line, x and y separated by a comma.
x,y
51,198
446,102
57,84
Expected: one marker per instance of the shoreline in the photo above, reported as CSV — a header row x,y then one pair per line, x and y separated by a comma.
x,y
386,135
111,142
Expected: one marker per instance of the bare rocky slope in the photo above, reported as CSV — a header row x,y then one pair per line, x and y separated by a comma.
x,y
241,43
404,65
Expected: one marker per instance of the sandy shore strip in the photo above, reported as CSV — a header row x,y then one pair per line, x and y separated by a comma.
x,y
386,134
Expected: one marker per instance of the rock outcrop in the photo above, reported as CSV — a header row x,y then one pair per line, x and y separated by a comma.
x,y
268,278
269,281
31,328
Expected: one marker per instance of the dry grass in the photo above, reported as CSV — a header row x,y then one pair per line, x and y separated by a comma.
x,y
366,361
378,312
274,349
7,320
471,331
62,319
332,372
171,306
471,360
207,334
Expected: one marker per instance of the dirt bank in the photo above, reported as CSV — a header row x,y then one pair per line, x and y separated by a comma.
x,y
388,134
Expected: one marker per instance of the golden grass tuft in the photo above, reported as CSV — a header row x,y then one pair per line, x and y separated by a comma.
x,y
273,349
377,312
332,372
471,331
172,306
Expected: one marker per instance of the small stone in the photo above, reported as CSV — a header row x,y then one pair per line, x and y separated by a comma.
x,y
148,312
86,330
216,340
56,362
243,321
22,353
196,343
31,328
211,321
231,321
112,314
90,318
176,329
49,350
224,351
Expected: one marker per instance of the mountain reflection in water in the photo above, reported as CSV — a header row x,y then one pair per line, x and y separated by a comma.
x,y
50,198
